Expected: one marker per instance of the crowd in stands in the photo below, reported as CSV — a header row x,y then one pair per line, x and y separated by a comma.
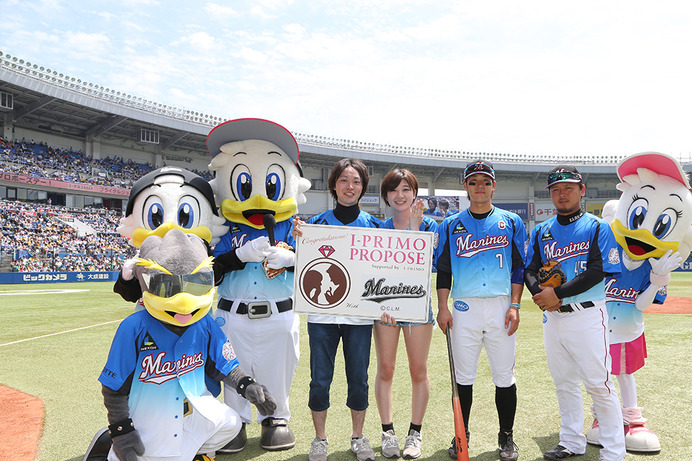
x,y
39,239
42,161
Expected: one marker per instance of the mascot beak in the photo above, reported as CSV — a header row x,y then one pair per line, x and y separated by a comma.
x,y
140,234
252,210
181,310
640,244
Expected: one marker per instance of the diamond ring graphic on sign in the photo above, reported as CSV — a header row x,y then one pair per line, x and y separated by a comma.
x,y
326,250
324,282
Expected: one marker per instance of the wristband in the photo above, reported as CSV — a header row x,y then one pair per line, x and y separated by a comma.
x,y
243,384
517,305
121,428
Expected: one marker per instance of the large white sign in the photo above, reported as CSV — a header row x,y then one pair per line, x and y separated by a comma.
x,y
361,272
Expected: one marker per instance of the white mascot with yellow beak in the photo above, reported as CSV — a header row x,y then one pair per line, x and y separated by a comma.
x,y
258,185
652,223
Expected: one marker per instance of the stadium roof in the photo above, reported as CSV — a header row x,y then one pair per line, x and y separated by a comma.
x,y
45,100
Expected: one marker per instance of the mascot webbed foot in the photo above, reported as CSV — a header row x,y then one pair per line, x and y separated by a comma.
x,y
237,444
276,435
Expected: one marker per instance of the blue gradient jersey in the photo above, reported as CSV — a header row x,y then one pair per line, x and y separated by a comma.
x,y
586,241
247,283
158,370
363,220
428,224
625,321
481,253
327,218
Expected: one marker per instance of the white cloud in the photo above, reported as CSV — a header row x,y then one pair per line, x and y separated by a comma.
x,y
218,11
198,41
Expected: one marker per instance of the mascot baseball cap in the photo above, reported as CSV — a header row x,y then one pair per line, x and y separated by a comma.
x,y
563,173
479,167
655,161
252,128
191,179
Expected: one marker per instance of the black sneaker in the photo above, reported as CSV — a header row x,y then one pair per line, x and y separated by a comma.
x,y
559,452
453,448
508,449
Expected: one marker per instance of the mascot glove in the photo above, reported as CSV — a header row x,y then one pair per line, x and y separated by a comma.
x,y
128,269
258,395
278,258
663,266
253,251
128,446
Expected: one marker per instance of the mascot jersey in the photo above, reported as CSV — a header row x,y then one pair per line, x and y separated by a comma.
x,y
160,369
467,244
573,247
625,321
247,283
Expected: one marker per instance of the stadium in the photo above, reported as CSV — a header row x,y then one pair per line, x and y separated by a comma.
x,y
70,151
107,139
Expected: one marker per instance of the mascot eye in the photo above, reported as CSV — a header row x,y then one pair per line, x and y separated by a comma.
x,y
275,182
637,213
665,223
188,212
153,215
241,182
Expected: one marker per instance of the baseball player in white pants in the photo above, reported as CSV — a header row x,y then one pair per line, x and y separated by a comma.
x,y
480,265
575,320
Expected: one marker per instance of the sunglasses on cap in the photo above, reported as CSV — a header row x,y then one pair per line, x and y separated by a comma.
x,y
479,167
169,285
563,176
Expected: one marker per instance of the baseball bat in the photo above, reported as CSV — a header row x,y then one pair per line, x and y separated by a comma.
x,y
459,428
269,223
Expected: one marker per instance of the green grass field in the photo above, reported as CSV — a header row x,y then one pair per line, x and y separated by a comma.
x,y
53,345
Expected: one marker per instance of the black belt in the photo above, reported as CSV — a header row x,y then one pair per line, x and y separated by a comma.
x,y
261,308
569,308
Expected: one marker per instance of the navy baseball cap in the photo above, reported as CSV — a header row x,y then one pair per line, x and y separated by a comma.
x,y
479,167
564,173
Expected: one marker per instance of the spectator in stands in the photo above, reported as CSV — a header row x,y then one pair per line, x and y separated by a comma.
x,y
39,241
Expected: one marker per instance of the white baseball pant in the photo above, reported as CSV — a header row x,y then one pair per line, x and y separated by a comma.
x,y
576,347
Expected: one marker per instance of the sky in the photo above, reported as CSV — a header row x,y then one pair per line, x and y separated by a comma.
x,y
494,76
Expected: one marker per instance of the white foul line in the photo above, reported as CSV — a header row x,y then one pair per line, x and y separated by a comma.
x,y
59,333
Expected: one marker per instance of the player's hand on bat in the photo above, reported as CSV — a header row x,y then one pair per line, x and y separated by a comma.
x,y
278,257
253,251
546,299
512,320
388,320
297,232
444,318
259,396
416,217
128,446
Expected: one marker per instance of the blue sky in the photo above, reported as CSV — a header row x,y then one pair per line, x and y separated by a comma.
x,y
489,76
